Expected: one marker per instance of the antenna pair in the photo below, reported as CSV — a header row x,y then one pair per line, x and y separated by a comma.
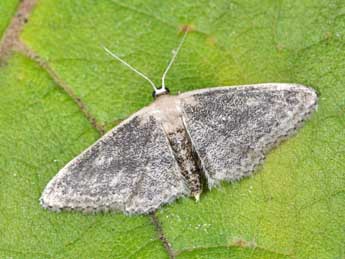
x,y
157,91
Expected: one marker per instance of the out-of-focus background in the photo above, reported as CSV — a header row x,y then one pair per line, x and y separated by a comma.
x,y
59,92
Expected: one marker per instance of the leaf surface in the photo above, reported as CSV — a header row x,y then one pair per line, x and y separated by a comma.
x,y
7,9
292,208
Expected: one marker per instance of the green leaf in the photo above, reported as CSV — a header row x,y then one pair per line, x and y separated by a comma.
x,y
7,9
41,129
292,208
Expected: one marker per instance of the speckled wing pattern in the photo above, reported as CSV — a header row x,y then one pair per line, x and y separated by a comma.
x,y
166,150
232,128
131,169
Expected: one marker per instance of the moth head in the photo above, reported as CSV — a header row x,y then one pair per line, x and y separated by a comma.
x,y
160,91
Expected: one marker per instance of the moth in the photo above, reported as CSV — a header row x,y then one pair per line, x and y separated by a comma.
x,y
179,145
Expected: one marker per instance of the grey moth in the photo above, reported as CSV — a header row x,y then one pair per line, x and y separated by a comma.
x,y
167,149
180,145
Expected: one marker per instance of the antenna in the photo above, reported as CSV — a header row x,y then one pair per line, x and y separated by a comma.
x,y
130,67
173,59
156,90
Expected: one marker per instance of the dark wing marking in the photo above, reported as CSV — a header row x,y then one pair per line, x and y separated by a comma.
x,y
232,128
131,169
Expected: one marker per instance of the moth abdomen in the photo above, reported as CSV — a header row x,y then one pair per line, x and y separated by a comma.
x,y
187,160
